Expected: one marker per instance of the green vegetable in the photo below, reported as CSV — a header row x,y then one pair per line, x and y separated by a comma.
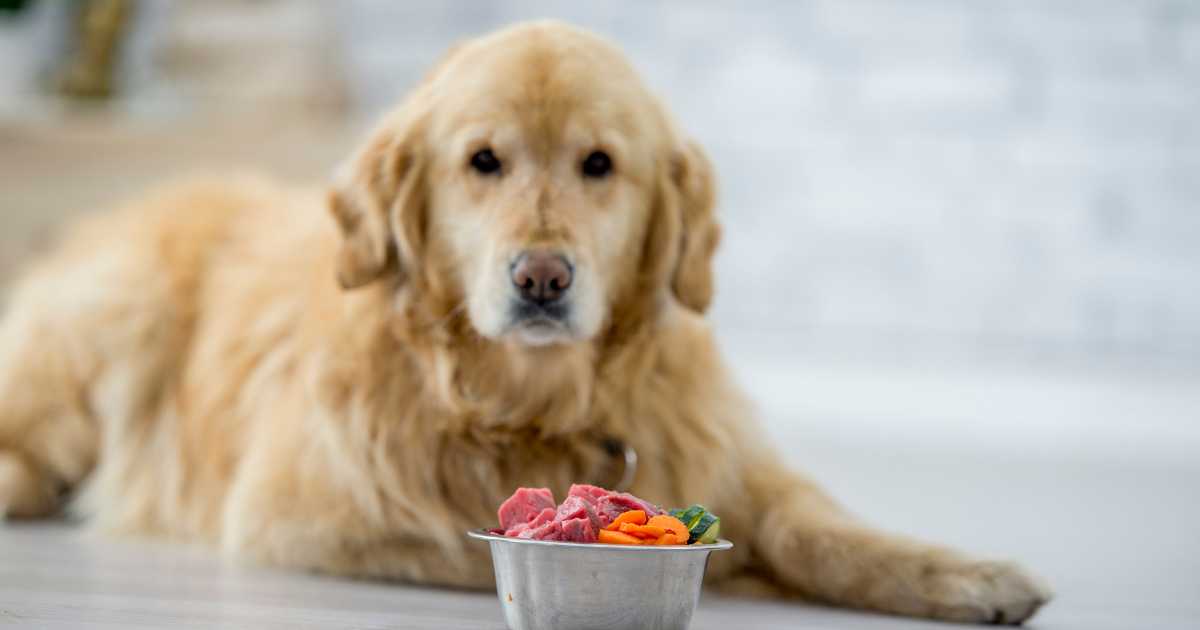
x,y
711,529
689,516
704,526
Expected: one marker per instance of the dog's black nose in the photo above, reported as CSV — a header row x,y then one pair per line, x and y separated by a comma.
x,y
541,276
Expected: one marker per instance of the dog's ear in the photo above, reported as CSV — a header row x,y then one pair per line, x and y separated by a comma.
x,y
377,201
378,197
692,176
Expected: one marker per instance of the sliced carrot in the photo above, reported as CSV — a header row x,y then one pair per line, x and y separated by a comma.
x,y
617,538
642,531
671,524
631,529
670,539
637,517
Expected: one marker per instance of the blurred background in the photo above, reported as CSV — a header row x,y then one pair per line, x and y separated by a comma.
x,y
962,253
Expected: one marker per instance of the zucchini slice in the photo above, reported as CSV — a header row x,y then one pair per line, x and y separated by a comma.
x,y
709,529
703,526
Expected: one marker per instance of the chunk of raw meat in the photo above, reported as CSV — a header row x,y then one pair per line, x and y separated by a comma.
x,y
524,505
578,530
531,513
577,507
610,507
587,492
608,504
543,517
549,531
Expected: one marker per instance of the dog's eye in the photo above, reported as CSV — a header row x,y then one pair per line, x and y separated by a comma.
x,y
597,164
485,162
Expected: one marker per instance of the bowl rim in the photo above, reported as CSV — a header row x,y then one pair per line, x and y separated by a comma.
x,y
485,534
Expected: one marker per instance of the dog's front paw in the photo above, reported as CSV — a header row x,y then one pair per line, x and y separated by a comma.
x,y
984,592
22,494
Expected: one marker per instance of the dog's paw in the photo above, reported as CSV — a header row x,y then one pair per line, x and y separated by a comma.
x,y
985,592
22,495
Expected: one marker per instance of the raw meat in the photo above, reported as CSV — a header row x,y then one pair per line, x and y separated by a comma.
x,y
530,513
523,506
543,517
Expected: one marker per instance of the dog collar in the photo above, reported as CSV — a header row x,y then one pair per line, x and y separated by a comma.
x,y
618,448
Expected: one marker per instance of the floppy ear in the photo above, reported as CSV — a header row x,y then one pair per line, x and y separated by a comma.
x,y
692,280
377,202
378,199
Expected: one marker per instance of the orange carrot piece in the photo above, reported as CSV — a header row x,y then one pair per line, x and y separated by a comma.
x,y
670,539
617,538
637,517
642,531
631,529
671,524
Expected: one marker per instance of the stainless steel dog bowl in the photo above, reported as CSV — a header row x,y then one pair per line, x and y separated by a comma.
x,y
580,586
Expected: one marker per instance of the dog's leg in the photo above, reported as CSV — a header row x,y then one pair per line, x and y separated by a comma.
x,y
813,546
300,512
87,336
290,545
48,440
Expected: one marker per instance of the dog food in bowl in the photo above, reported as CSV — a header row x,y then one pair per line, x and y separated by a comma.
x,y
592,514
599,560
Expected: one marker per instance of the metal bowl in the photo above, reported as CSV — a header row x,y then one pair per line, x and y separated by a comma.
x,y
588,586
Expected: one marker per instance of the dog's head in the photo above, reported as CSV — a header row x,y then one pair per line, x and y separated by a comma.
x,y
532,178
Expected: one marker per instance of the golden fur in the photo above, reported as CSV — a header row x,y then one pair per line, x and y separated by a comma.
x,y
191,365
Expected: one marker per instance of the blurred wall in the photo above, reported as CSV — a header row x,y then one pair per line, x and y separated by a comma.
x,y
900,177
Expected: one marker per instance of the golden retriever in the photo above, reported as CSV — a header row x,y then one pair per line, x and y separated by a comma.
x,y
514,280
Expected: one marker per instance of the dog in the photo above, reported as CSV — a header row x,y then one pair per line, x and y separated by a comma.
x,y
511,292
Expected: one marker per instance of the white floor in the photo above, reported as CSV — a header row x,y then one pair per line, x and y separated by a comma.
x,y
1115,531
1119,546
